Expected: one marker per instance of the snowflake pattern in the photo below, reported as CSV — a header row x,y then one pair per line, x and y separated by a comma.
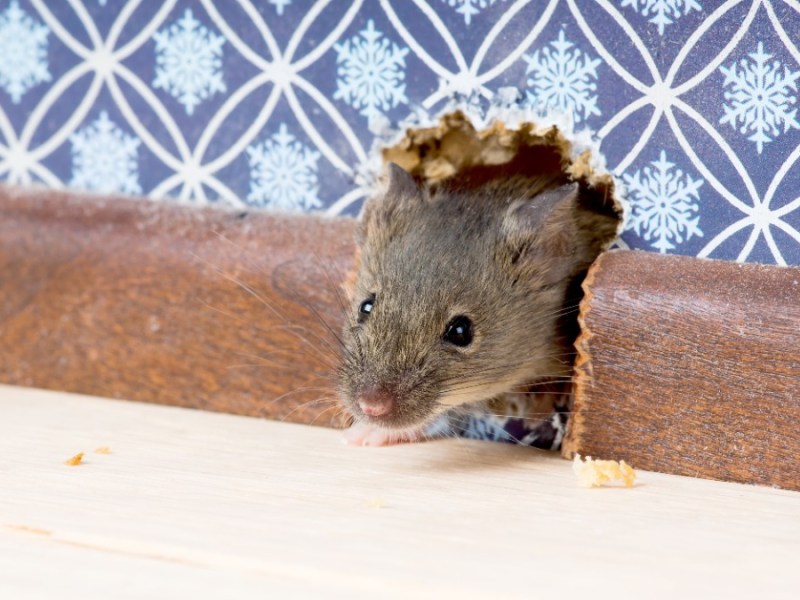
x,y
663,11
760,98
283,173
104,158
749,97
280,5
563,79
484,427
469,8
188,61
664,203
371,72
23,46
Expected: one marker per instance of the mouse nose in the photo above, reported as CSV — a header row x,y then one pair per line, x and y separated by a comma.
x,y
376,403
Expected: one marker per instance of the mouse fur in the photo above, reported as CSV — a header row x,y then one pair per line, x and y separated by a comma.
x,y
504,253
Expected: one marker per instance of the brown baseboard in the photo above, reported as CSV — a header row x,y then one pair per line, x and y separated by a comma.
x,y
195,307
691,367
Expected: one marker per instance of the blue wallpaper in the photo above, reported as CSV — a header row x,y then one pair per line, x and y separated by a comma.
x,y
270,103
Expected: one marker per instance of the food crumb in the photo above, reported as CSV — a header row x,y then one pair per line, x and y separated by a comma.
x,y
376,503
102,450
75,460
594,473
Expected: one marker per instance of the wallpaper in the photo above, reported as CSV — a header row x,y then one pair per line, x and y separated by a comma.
x,y
273,103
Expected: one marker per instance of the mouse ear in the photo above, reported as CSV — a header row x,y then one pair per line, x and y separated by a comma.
x,y
543,227
386,212
401,183
538,216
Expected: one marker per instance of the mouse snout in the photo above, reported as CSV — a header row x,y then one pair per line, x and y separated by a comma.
x,y
376,403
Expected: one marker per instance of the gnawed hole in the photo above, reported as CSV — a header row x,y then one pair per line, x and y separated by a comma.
x,y
456,148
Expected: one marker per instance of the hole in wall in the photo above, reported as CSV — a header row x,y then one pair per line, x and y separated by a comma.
x,y
478,153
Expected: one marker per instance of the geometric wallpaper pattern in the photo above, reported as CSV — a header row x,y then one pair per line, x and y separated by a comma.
x,y
273,103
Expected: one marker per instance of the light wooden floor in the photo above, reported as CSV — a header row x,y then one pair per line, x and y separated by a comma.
x,y
199,505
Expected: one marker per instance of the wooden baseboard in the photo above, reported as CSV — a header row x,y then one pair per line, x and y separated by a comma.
x,y
690,367
177,305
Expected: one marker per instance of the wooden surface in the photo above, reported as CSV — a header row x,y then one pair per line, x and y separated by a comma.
x,y
179,305
191,504
691,367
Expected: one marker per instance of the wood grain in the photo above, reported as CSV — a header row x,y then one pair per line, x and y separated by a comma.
x,y
196,307
691,367
191,504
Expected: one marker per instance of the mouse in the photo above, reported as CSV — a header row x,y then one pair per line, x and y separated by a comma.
x,y
464,291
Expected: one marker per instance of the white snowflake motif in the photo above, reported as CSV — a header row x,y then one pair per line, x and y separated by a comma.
x,y
283,173
760,98
664,11
371,72
104,158
280,5
23,46
664,201
188,61
563,79
469,8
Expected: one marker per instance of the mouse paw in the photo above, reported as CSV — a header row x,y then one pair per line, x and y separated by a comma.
x,y
363,434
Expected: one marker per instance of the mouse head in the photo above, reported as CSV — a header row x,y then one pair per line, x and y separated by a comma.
x,y
458,296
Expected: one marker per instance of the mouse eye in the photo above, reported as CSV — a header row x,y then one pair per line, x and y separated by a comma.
x,y
366,308
458,331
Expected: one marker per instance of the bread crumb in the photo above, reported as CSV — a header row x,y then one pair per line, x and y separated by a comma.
x,y
75,460
594,473
102,450
376,503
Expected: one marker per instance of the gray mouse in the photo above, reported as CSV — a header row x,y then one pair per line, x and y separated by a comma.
x,y
460,295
